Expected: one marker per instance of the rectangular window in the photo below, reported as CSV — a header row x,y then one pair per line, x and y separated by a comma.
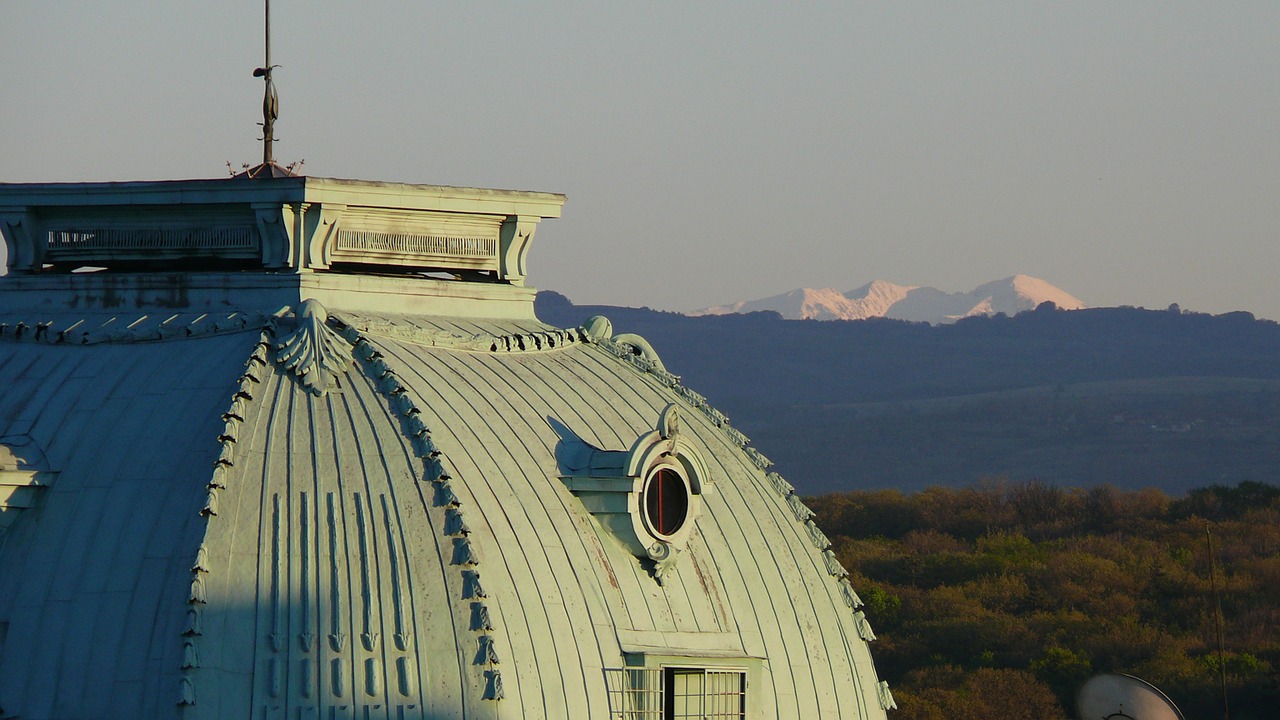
x,y
705,694
676,693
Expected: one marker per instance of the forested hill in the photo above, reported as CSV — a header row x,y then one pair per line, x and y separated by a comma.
x,y
1125,396
1000,600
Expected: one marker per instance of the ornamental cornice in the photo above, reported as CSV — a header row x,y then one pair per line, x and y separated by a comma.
x,y
533,341
127,328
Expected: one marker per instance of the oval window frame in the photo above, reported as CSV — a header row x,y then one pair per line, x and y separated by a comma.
x,y
651,524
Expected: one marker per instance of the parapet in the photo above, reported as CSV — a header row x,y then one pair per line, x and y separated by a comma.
x,y
135,240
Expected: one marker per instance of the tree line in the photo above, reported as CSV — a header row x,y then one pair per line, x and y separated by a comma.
x,y
1000,599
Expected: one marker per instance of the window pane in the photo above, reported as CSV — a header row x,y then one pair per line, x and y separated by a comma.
x,y
705,694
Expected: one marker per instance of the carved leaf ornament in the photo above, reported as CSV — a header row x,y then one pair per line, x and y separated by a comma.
x,y
316,353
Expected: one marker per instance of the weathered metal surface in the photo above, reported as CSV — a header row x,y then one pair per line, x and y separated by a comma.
x,y
301,494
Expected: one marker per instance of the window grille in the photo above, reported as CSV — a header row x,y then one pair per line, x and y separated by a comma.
x,y
676,693
635,693
705,694
70,240
369,241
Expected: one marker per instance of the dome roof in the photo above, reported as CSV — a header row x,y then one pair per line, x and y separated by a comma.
x,y
315,491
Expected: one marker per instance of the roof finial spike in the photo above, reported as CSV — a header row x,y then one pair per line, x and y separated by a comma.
x,y
270,102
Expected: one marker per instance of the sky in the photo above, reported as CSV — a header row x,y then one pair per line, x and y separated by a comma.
x,y
1127,152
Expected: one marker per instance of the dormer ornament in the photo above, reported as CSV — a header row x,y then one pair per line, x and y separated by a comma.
x,y
316,353
24,476
647,497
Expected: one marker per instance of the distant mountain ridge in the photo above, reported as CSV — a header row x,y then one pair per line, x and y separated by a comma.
x,y
915,303
1127,396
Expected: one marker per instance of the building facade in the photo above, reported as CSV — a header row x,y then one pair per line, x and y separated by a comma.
x,y
298,447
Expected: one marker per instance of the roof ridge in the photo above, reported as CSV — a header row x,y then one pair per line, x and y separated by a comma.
x,y
233,418
402,406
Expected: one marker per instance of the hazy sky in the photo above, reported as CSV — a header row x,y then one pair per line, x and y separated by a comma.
x,y
1128,152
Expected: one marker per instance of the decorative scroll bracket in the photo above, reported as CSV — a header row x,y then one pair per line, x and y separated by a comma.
x,y
25,254
515,237
274,235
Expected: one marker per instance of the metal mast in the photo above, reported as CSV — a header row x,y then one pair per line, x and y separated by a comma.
x,y
270,103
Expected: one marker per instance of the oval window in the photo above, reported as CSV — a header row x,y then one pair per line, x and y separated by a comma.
x,y
666,501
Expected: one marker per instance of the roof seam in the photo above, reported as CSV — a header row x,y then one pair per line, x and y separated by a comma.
x,y
642,361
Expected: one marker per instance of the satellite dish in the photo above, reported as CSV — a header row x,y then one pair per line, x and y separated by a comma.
x,y
1123,697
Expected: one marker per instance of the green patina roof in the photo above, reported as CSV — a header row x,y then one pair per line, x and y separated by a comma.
x,y
324,496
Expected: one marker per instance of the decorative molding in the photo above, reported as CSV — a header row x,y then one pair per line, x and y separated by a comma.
x,y
24,477
186,691
802,512
193,626
493,685
276,637
368,243
402,636
273,235
202,560
24,254
454,523
471,587
368,637
488,653
306,546
197,595
123,235
404,675
864,627
445,496
321,225
464,552
314,352
84,243
516,236
816,536
833,565
301,224
190,656
543,340
886,697
480,617
848,594
418,239
337,638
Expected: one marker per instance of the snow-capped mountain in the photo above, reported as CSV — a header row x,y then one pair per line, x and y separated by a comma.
x,y
907,302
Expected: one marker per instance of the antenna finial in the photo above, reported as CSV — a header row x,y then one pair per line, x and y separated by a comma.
x,y
270,111
270,101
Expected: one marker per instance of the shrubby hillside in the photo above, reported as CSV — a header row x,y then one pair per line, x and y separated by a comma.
x,y
1125,396
1000,599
